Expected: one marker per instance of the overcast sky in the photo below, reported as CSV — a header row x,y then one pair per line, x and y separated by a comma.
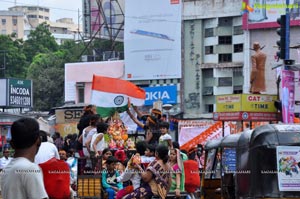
x,y
58,8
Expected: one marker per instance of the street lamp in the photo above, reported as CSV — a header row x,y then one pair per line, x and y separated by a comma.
x,y
167,108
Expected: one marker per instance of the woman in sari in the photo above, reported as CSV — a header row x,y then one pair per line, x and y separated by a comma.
x,y
156,178
175,162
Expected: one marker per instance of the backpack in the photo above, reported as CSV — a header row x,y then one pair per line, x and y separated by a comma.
x,y
56,178
192,175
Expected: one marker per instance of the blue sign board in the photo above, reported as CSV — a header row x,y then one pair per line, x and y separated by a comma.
x,y
229,160
167,94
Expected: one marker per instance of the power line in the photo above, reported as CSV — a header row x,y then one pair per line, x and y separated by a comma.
x,y
25,4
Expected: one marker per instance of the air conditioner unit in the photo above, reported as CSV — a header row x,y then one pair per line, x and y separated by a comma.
x,y
208,91
108,55
87,58
84,58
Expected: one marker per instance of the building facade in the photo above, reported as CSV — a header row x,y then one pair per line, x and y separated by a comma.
x,y
214,51
35,14
22,19
64,29
217,52
12,22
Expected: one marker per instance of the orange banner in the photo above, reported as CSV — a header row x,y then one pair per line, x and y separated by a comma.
x,y
202,137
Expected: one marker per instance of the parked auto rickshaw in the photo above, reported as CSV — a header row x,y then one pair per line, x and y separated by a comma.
x,y
219,154
263,163
260,172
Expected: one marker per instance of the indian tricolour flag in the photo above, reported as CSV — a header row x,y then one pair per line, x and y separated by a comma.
x,y
112,94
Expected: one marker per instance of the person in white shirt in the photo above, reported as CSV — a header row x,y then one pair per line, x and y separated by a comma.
x,y
149,155
87,135
5,159
22,178
47,150
97,143
165,137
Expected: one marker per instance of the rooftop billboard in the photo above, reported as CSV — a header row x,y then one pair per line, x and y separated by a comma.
x,y
152,39
258,14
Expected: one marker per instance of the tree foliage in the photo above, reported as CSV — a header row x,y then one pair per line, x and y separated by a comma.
x,y
12,59
42,60
39,40
47,73
73,50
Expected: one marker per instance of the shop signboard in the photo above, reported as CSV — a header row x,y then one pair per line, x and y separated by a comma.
x,y
167,94
68,115
245,116
19,93
288,158
246,102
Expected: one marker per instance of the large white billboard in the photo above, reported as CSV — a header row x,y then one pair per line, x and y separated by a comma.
x,y
152,39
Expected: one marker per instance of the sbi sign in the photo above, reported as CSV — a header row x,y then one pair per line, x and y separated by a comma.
x,y
167,94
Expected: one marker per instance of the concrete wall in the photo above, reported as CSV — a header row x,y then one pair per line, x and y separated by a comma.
x,y
211,9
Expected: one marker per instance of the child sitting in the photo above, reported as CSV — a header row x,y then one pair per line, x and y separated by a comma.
x,y
108,178
132,173
165,137
149,155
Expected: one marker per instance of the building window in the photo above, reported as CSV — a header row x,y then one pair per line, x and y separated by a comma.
x,y
225,39
32,8
15,22
209,32
237,89
238,30
3,32
225,81
80,95
209,108
209,50
237,48
208,73
41,17
32,16
3,21
225,21
46,18
237,72
46,10
225,58
41,9
80,89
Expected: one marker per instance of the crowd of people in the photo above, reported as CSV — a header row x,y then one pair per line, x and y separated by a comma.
x,y
155,168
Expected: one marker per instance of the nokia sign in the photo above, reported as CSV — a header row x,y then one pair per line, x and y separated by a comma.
x,y
167,94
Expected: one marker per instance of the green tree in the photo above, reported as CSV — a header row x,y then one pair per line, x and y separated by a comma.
x,y
39,40
47,73
73,50
12,58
